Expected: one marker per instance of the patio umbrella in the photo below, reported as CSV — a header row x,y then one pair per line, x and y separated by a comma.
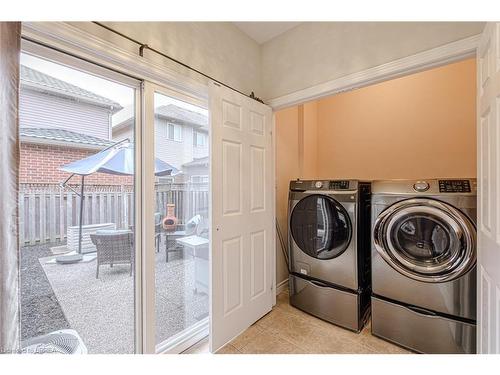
x,y
117,159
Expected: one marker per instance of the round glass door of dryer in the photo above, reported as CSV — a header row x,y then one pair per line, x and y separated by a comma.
x,y
320,226
426,240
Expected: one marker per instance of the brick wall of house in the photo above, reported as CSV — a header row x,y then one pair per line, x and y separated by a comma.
x,y
40,164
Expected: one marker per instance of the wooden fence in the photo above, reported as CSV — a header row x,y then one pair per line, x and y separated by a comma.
x,y
46,211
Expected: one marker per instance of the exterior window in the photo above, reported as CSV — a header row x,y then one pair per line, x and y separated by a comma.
x,y
199,139
174,132
199,179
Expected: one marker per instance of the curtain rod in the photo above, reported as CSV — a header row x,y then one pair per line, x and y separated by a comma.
x,y
143,46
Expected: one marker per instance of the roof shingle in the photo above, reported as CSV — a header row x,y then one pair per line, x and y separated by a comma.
x,y
43,81
62,135
185,115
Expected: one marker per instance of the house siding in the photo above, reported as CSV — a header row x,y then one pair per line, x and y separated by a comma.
x,y
42,110
170,151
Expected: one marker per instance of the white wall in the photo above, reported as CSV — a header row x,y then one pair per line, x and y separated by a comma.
x,y
313,53
218,49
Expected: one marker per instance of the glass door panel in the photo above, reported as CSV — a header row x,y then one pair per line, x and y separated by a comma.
x,y
77,251
181,243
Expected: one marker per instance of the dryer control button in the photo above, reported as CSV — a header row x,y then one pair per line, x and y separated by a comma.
x,y
421,186
318,184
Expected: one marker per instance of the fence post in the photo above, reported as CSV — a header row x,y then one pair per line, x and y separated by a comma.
x,y
52,217
43,217
22,218
31,219
62,223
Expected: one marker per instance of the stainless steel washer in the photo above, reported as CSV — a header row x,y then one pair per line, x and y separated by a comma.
x,y
424,264
329,249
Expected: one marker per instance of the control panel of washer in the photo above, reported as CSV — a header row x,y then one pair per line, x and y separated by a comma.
x,y
454,186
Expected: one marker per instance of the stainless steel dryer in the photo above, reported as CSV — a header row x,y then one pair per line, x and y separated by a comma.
x,y
329,249
424,264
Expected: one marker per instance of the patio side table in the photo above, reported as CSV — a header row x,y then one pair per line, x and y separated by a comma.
x,y
200,249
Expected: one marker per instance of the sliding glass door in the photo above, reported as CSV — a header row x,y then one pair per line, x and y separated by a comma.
x,y
178,255
114,210
77,197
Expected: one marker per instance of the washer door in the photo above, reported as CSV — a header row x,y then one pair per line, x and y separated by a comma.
x,y
320,226
426,240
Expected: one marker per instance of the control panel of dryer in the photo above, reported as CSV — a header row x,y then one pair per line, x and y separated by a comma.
x,y
304,185
454,186
339,185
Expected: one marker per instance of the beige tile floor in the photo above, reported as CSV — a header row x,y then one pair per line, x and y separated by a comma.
x,y
287,330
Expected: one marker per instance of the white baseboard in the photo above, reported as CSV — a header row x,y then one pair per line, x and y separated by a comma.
x,y
282,286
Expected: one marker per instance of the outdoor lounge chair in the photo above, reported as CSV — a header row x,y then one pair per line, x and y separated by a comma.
x,y
185,230
114,247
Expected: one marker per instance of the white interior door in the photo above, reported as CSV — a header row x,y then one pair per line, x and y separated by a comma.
x,y
242,170
488,123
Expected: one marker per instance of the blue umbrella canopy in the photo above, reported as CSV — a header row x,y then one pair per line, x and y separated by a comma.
x,y
117,159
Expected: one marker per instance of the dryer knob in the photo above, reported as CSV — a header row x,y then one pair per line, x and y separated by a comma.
x,y
421,186
318,184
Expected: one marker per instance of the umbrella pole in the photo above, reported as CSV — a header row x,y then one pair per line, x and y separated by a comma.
x,y
81,216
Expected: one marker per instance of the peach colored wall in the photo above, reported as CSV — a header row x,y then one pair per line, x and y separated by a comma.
x,y
287,168
418,126
310,141
296,153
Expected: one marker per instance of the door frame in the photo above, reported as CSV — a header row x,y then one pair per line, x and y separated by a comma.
x,y
432,58
64,59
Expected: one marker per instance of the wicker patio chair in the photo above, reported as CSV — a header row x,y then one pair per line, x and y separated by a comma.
x,y
114,247
158,230
182,230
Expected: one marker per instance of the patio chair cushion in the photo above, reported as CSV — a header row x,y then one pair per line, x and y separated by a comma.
x,y
192,224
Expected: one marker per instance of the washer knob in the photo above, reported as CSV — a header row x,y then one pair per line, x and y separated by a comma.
x,y
421,186
318,184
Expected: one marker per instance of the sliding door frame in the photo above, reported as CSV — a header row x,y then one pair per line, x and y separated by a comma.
x,y
47,53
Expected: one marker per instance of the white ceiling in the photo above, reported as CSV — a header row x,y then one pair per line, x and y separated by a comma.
x,y
261,32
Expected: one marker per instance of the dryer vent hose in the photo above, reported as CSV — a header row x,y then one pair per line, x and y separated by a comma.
x,y
282,244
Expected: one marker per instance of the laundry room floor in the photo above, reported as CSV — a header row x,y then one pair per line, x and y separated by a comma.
x,y
287,330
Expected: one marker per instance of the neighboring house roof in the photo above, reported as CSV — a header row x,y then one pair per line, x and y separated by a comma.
x,y
62,137
171,112
43,82
197,162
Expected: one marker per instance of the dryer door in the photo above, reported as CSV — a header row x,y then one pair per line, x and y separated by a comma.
x,y
320,226
426,240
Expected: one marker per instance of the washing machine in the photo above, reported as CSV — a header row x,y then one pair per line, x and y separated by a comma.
x,y
329,250
424,264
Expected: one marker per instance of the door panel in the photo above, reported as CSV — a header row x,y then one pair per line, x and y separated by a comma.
x,y
488,82
242,214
